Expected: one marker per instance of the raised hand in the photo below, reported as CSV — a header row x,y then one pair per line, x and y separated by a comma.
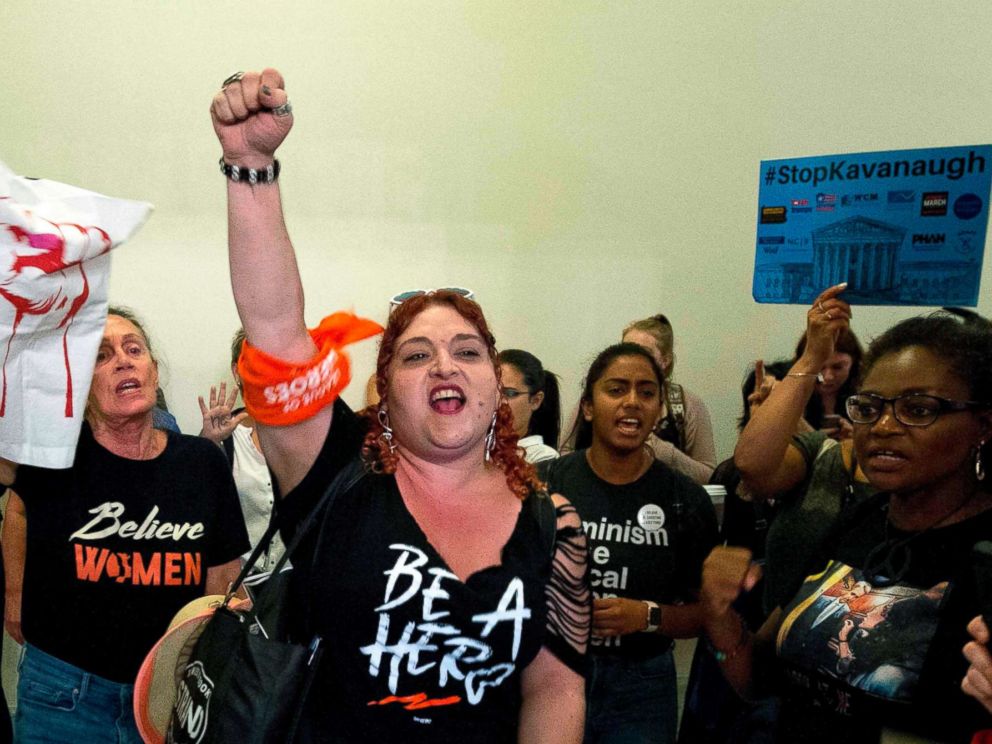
x,y
251,116
827,317
218,423
763,384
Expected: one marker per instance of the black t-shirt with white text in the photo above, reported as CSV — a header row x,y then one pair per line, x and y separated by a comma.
x,y
115,547
647,539
411,652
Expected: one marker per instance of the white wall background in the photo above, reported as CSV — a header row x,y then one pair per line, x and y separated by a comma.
x,y
578,164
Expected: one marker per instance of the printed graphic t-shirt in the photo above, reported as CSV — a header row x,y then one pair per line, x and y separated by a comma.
x,y
647,539
412,653
115,547
858,653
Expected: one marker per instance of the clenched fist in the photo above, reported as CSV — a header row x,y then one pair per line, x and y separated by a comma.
x,y
251,118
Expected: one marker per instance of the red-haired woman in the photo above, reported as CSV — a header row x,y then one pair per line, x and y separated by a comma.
x,y
451,613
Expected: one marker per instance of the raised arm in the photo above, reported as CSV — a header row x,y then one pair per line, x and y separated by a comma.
x,y
251,117
768,463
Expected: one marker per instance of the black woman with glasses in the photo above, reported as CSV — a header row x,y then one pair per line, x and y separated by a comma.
x,y
871,639
531,391
449,589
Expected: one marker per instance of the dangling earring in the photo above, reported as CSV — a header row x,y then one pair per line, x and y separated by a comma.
x,y
491,437
979,466
387,432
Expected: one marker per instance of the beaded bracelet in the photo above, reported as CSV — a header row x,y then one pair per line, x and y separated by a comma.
x,y
725,656
253,176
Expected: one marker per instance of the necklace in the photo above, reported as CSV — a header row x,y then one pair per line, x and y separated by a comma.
x,y
889,561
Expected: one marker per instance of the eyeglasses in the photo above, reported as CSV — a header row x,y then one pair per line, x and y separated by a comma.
x,y
511,393
911,409
402,297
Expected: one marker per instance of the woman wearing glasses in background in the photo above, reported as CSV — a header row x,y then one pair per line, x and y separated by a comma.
x,y
532,394
451,594
871,639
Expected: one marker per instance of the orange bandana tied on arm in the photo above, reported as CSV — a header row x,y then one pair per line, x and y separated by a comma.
x,y
280,393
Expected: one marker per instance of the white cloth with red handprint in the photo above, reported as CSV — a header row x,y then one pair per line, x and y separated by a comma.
x,y
55,243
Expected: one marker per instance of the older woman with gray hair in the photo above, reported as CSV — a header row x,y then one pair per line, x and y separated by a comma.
x,y
144,521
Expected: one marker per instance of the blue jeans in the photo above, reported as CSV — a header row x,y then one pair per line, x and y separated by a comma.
x,y
58,703
629,701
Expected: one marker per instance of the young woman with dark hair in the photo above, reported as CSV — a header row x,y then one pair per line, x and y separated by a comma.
x,y
450,589
649,528
871,639
532,394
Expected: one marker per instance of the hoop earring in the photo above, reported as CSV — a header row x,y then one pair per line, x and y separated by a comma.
x,y
387,433
491,437
979,466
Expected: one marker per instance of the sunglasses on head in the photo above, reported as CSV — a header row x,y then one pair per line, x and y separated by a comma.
x,y
402,297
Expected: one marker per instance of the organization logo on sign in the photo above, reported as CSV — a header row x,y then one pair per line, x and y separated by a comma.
x,y
772,215
928,238
967,206
900,199
934,204
967,241
826,202
850,200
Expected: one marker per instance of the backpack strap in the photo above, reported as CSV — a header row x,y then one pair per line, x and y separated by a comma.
x,y
345,479
676,406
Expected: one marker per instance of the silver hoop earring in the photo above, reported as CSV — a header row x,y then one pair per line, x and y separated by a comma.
x,y
979,466
387,432
491,437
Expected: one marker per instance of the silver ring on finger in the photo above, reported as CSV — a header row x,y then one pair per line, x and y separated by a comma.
x,y
829,316
232,79
285,110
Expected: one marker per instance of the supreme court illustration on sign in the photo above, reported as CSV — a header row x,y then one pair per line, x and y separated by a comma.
x,y
902,227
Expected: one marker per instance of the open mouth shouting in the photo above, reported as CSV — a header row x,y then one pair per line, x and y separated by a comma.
x,y
884,459
128,386
629,426
447,399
